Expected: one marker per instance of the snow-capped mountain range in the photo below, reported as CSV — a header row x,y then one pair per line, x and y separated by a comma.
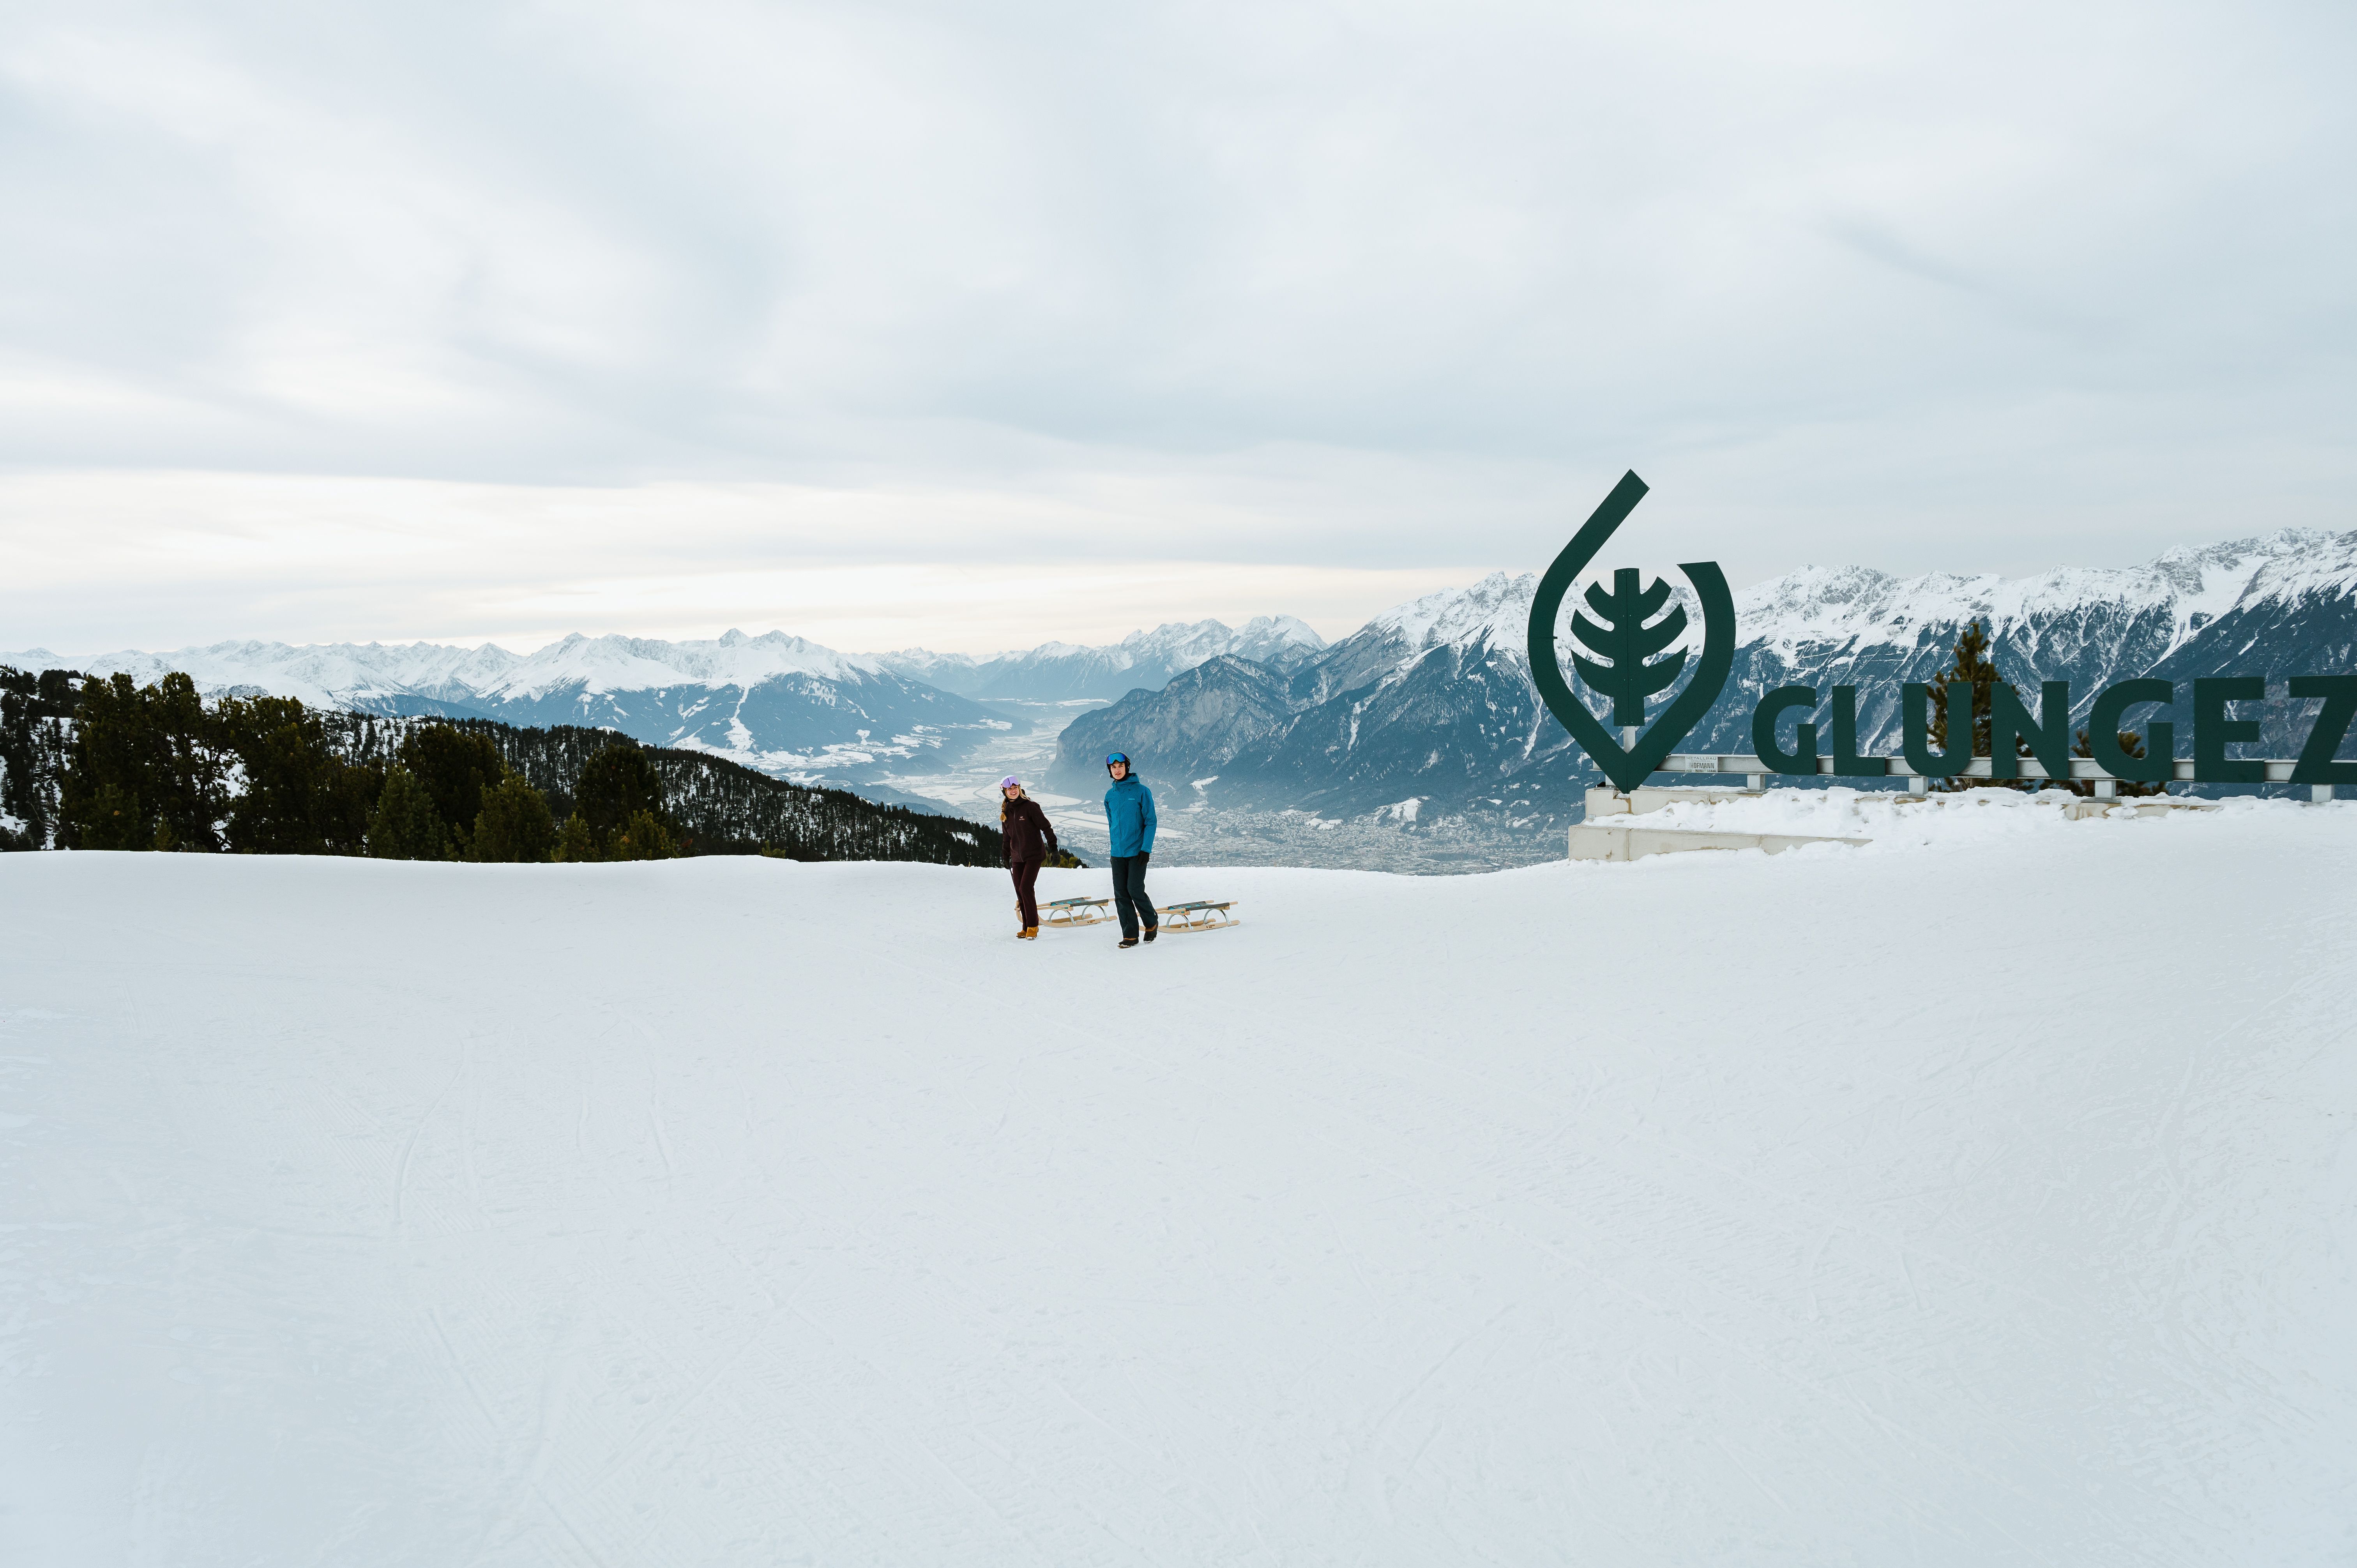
x,y
403,677
1061,672
1430,701
2281,604
1433,701
781,703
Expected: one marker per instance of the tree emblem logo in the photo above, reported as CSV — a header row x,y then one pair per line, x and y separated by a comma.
x,y
1622,638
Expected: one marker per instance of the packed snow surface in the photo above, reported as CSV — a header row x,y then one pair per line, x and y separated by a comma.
x,y
1984,1196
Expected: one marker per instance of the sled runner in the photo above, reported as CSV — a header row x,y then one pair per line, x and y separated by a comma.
x,y
1202,915
1075,912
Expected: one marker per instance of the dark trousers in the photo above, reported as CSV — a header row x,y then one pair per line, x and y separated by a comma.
x,y
1027,877
1129,898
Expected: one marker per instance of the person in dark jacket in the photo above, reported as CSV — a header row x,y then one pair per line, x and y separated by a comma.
x,y
1129,821
1031,844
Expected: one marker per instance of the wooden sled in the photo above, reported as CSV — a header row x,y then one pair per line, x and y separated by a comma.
x,y
1075,912
1202,915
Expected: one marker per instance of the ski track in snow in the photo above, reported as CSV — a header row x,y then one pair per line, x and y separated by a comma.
x,y
1981,1197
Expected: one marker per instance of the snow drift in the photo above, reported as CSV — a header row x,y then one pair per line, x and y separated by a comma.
x,y
1984,1198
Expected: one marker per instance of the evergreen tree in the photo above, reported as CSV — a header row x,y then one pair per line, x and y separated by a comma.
x,y
148,768
2131,743
455,764
619,786
33,743
152,768
515,824
616,782
407,826
1973,674
112,817
574,844
301,797
644,837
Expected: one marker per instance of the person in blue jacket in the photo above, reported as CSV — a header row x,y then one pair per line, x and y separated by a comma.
x,y
1129,819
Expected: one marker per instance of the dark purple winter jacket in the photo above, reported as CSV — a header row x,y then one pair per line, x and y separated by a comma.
x,y
1028,836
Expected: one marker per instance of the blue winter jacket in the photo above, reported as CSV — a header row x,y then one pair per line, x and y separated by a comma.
x,y
1129,817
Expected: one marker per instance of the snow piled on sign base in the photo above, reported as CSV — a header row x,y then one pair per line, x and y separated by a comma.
x,y
1907,822
1980,1200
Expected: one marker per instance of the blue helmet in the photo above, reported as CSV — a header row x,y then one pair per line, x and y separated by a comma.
x,y
1113,756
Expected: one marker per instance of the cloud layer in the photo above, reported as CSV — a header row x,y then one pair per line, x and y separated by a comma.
x,y
1341,299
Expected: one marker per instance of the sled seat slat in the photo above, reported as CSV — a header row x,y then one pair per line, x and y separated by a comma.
x,y
1199,915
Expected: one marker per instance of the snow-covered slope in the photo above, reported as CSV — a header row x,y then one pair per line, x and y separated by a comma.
x,y
1055,671
1689,1212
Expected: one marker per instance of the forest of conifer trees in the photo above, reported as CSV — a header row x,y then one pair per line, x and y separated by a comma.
x,y
92,763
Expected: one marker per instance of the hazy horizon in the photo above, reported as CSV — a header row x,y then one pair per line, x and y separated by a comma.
x,y
1330,633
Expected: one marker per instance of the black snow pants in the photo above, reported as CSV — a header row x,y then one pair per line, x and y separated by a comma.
x,y
1027,902
1129,900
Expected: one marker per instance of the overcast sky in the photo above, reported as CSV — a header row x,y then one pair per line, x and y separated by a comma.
x,y
977,324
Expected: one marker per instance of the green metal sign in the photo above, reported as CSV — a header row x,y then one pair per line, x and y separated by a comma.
x,y
1628,631
1622,643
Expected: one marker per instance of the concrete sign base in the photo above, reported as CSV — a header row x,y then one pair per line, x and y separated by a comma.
x,y
1612,841
1612,831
